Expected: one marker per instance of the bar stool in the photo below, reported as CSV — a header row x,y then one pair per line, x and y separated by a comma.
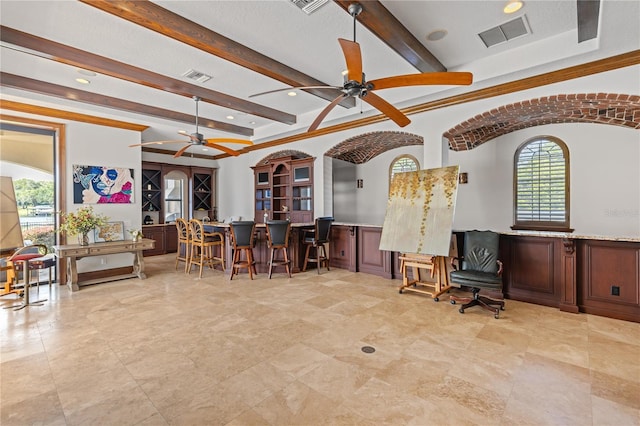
x,y
184,243
202,245
278,239
316,239
21,260
242,237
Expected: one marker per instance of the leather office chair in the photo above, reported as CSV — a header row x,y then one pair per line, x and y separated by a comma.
x,y
184,243
242,237
316,239
202,244
278,239
480,269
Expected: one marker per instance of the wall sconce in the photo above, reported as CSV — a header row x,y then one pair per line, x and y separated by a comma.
x,y
463,178
359,184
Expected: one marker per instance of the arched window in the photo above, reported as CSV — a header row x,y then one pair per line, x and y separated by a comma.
x,y
401,164
541,185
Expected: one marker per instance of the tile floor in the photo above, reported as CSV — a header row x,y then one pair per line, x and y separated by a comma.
x,y
175,349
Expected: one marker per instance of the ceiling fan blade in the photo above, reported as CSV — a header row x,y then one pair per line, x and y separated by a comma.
x,y
229,140
181,151
155,143
324,112
387,109
430,78
222,148
353,57
294,88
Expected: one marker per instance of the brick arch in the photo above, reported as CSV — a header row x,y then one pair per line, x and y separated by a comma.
x,y
362,148
284,153
601,108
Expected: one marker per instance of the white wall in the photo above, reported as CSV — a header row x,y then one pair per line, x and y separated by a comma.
x,y
605,182
92,145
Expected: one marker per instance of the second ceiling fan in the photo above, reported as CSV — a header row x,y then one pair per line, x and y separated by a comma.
x,y
197,138
355,83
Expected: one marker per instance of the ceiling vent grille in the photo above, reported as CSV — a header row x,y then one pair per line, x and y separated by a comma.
x,y
198,76
308,6
508,31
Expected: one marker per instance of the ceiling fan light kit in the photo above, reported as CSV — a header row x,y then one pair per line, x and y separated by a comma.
x,y
197,138
356,85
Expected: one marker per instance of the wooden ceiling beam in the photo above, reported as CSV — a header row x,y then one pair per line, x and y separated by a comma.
x,y
79,58
169,24
63,92
68,115
377,19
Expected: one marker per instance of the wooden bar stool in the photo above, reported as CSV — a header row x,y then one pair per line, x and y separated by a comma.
x,y
202,244
184,243
315,240
278,239
242,237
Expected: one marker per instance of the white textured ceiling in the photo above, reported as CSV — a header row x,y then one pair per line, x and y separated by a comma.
x,y
308,43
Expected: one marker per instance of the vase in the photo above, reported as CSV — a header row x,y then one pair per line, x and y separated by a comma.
x,y
83,239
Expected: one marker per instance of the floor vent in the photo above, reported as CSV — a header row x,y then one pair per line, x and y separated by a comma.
x,y
198,76
508,31
308,6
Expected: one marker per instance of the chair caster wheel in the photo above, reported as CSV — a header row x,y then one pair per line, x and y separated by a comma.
x,y
496,316
461,310
400,291
436,299
502,308
453,302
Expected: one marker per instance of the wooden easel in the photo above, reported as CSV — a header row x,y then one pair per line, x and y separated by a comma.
x,y
420,263
438,269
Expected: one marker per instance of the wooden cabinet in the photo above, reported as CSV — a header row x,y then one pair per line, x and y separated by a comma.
x,y
199,191
284,190
152,189
203,193
165,236
156,233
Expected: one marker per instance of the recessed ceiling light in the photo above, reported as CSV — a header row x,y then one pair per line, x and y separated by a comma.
x,y
230,117
86,72
292,94
82,80
252,122
512,6
437,35
205,149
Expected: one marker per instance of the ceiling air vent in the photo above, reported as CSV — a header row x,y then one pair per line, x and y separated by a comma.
x,y
505,32
308,6
198,76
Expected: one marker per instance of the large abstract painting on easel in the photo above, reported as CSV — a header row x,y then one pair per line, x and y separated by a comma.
x,y
420,210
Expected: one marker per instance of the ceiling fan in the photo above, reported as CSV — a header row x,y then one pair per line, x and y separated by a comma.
x,y
355,83
198,139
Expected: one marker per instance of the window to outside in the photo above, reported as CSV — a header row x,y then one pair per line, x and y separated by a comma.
x,y
402,164
541,173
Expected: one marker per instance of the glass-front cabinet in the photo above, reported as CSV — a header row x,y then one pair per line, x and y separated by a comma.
x,y
284,190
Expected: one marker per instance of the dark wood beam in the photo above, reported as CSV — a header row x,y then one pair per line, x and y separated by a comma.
x,y
167,23
377,19
588,13
79,58
68,115
63,92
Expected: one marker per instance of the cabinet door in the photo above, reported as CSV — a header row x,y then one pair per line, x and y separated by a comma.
x,y
155,233
170,239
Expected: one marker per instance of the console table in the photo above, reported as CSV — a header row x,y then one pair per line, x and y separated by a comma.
x,y
75,251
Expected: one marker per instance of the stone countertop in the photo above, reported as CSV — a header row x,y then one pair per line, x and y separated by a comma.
x,y
569,235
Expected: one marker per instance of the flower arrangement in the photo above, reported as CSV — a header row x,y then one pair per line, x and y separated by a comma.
x,y
82,221
136,234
